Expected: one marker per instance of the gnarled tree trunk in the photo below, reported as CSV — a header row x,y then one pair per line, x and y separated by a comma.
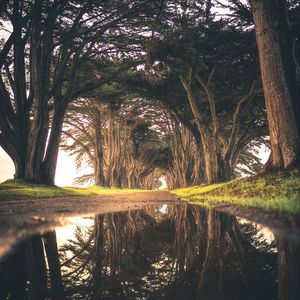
x,y
278,73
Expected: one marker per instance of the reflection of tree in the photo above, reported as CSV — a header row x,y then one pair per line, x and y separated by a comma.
x,y
50,244
190,253
99,249
105,259
288,268
33,271
77,257
189,235
186,252
12,276
227,265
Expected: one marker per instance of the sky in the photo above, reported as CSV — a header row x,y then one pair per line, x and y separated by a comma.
x,y
65,172
6,166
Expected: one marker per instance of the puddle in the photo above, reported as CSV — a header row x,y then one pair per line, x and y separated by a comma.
x,y
159,252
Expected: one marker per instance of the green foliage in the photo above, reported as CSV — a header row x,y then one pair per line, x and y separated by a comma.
x,y
273,191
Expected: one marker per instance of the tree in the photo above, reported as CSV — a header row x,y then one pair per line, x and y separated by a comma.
x,y
247,121
278,70
50,43
216,65
185,168
115,139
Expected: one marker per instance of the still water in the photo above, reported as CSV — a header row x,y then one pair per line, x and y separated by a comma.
x,y
166,252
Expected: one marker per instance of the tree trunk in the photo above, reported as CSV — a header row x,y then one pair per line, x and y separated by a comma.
x,y
57,289
226,170
39,80
50,161
278,78
211,169
205,133
99,171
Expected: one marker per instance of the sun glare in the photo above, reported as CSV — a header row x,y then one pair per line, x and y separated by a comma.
x,y
65,170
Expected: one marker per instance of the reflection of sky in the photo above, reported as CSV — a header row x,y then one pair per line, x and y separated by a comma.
x,y
263,232
67,232
163,209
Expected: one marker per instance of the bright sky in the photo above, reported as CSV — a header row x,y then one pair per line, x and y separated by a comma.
x,y
6,166
65,172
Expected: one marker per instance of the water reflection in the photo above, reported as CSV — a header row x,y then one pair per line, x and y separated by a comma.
x,y
174,252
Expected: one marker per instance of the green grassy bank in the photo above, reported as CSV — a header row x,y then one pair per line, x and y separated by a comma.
x,y
18,189
275,191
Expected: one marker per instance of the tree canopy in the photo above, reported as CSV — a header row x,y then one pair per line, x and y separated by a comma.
x,y
141,89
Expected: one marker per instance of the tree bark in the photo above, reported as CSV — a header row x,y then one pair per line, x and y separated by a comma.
x,y
206,136
99,171
50,161
278,66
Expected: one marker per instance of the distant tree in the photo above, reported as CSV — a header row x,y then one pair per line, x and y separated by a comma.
x,y
115,139
185,168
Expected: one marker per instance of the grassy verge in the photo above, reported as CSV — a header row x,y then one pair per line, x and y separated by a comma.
x,y
18,189
274,191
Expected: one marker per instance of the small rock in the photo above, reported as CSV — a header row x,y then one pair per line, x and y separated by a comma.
x,y
38,218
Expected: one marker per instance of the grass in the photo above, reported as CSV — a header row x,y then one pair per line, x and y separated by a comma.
x,y
18,189
272,192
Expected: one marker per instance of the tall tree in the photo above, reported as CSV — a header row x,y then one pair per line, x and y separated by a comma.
x,y
50,43
219,82
278,70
